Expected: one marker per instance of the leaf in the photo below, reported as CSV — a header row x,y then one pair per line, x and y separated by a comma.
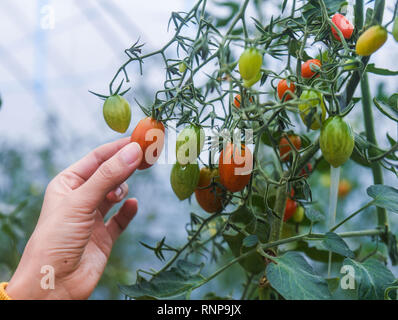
x,y
336,244
314,215
385,197
168,284
383,72
295,279
250,241
371,280
388,109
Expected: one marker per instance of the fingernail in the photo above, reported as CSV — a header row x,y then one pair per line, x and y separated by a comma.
x,y
118,192
130,153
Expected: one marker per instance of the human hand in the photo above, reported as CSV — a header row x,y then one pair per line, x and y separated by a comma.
x,y
71,235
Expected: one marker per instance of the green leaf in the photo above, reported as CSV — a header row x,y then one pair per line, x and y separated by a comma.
x,y
314,215
295,279
336,244
250,241
371,280
383,72
168,284
385,197
388,109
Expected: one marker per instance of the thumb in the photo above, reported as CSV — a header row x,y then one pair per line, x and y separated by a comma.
x,y
107,177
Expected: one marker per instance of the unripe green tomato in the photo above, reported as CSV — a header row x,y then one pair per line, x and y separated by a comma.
x,y
314,109
371,40
249,83
298,215
336,141
184,179
189,144
395,29
250,63
117,113
350,64
182,67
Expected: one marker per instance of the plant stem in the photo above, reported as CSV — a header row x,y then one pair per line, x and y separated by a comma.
x,y
351,216
382,217
334,187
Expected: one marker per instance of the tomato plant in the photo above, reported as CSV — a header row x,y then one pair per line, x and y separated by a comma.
x,y
149,134
251,135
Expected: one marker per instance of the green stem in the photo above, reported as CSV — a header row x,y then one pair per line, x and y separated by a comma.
x,y
382,217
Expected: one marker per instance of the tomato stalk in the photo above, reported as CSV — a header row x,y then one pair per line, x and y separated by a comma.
x,y
334,188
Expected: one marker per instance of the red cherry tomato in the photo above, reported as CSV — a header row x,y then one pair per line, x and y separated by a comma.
x,y
306,71
149,134
235,167
237,100
344,25
291,207
305,172
285,149
283,87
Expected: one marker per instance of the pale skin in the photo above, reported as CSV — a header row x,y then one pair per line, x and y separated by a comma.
x,y
71,235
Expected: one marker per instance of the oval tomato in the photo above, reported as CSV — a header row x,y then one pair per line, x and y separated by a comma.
x,y
189,144
313,112
344,25
371,40
149,134
235,167
290,208
298,215
250,63
284,89
336,141
310,67
184,179
117,113
207,194
285,151
395,29
237,100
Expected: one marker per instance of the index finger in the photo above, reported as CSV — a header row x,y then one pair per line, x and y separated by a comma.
x,y
85,167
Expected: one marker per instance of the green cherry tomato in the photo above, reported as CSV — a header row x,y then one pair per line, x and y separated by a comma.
x,y
298,215
336,141
189,144
182,67
184,179
371,40
249,83
312,112
117,113
250,63
395,29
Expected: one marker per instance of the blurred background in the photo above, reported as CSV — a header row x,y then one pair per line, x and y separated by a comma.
x,y
51,54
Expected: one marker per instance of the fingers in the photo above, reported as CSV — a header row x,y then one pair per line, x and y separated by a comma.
x,y
86,166
107,177
122,218
113,197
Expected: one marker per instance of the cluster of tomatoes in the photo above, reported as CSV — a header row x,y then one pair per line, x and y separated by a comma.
x,y
210,184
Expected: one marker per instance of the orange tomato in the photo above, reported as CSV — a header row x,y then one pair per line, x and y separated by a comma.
x,y
149,134
285,149
283,87
345,187
207,195
344,25
306,71
237,100
235,167
291,207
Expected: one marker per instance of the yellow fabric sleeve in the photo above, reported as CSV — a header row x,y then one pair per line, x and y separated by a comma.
x,y
3,293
